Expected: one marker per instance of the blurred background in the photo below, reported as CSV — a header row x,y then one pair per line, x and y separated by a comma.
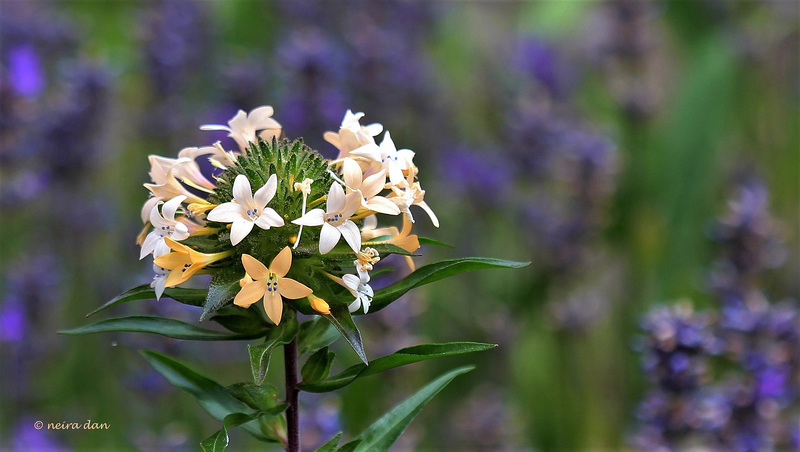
x,y
642,154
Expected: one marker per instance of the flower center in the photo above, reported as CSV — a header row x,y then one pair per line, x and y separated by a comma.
x,y
252,213
334,219
166,231
272,284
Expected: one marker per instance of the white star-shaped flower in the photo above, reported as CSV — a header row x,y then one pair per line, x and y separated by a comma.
x,y
352,135
395,161
358,287
248,210
242,127
164,225
368,188
335,220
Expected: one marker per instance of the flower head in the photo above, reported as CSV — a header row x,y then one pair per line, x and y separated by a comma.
x,y
248,210
270,284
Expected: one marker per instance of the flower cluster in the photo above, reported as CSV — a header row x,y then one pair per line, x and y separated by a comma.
x,y
278,201
726,382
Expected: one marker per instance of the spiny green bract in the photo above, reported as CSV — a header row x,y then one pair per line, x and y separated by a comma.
x,y
290,161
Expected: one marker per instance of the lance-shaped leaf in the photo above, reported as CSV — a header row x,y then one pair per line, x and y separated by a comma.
x,y
317,366
157,325
434,272
262,398
341,319
219,441
279,335
330,445
430,241
208,393
315,334
242,320
224,285
384,432
191,297
401,357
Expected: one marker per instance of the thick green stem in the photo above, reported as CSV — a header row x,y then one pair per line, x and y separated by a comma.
x,y
293,412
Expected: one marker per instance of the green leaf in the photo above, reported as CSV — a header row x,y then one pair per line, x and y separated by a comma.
x,y
191,297
262,398
434,272
218,442
317,366
315,334
384,432
279,335
401,357
430,241
157,325
242,320
341,319
330,445
208,393
224,285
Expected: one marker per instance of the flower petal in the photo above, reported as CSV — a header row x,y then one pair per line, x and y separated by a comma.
x,y
335,199
242,192
282,262
269,218
328,238
250,293
227,212
352,174
273,305
240,229
351,204
265,194
148,207
314,217
351,282
383,205
373,185
214,127
351,234
292,289
430,213
254,267
170,207
149,244
260,114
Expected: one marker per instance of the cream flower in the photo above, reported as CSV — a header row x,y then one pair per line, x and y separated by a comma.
x,y
219,157
352,135
394,161
270,284
358,287
408,194
159,280
183,262
368,188
248,210
335,220
242,127
164,225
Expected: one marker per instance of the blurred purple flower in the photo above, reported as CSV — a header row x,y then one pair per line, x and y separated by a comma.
x,y
25,70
